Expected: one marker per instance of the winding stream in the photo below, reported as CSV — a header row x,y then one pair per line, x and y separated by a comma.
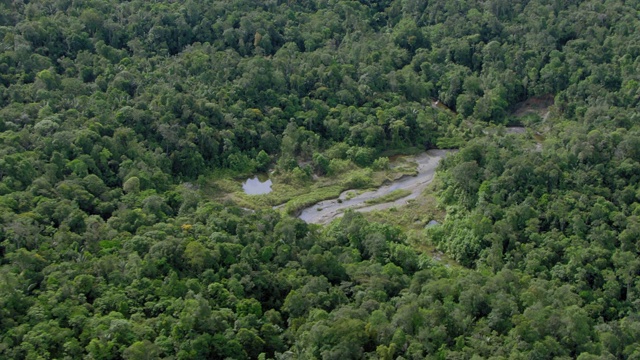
x,y
328,210
325,211
427,162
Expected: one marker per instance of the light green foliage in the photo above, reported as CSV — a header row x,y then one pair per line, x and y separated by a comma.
x,y
381,163
321,164
392,196
132,185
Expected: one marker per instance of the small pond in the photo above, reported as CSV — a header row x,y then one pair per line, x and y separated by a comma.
x,y
257,185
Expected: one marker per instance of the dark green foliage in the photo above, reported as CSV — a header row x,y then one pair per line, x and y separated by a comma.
x,y
113,113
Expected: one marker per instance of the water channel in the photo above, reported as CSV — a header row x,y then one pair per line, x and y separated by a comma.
x,y
328,210
325,211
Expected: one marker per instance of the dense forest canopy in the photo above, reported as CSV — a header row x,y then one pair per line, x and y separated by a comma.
x,y
114,115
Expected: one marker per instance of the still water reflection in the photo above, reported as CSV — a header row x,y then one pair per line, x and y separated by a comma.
x,y
257,185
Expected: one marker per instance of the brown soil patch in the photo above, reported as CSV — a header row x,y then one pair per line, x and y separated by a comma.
x,y
535,105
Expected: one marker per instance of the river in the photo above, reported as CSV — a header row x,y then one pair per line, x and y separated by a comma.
x,y
328,210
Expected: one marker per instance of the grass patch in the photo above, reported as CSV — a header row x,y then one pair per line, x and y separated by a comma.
x,y
280,194
351,194
392,196
291,196
294,196
406,169
300,202
413,216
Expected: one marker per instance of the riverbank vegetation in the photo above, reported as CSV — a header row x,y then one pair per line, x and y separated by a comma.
x,y
392,196
121,123
295,190
415,215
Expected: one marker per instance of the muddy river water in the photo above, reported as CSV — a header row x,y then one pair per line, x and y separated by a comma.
x,y
328,210
325,211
